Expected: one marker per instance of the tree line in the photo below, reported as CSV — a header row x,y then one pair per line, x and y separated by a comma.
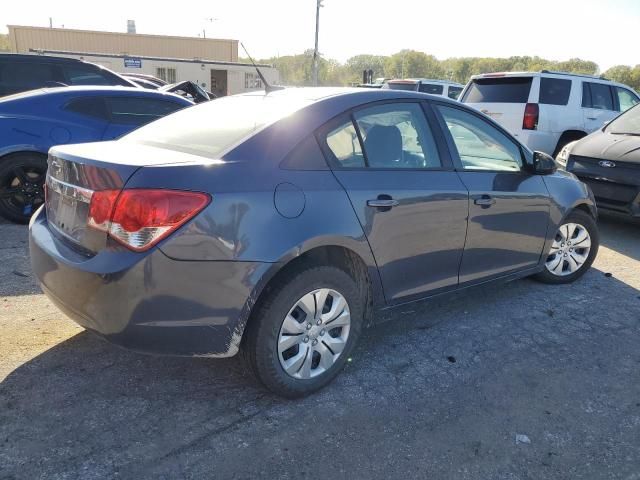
x,y
296,69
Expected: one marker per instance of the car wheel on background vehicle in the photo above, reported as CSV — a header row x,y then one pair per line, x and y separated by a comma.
x,y
573,250
22,177
303,333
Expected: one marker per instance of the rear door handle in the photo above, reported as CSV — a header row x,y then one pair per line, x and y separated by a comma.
x,y
485,200
382,203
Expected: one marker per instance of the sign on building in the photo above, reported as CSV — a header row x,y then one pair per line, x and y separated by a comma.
x,y
130,62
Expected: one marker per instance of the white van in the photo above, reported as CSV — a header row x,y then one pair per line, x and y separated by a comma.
x,y
547,110
444,88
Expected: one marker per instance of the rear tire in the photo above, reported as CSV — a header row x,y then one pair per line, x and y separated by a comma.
x,y
318,352
22,177
568,258
565,139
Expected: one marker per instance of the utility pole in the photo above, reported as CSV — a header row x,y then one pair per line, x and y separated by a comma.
x,y
315,51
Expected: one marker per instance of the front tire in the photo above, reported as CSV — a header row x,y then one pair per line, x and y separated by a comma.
x,y
303,333
573,250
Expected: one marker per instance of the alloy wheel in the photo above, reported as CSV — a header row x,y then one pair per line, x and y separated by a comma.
x,y
570,250
314,333
23,189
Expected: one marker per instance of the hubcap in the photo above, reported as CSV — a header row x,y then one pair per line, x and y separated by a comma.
x,y
570,249
314,333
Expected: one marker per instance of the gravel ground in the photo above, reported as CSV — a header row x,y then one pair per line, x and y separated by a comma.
x,y
510,381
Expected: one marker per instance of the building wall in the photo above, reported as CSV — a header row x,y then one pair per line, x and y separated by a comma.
x,y
23,39
240,78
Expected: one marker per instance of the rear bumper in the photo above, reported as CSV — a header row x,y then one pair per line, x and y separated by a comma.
x,y
148,302
538,140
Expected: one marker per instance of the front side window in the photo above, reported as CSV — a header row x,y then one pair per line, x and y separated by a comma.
x,y
397,135
480,145
431,88
139,111
597,95
554,91
626,99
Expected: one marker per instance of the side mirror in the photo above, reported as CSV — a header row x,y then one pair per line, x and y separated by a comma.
x,y
543,164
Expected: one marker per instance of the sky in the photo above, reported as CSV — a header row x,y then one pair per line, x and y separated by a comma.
x,y
604,31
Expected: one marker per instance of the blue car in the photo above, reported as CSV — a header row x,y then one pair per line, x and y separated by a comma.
x,y
34,121
281,224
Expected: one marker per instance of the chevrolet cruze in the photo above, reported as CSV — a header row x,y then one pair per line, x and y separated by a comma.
x,y
280,224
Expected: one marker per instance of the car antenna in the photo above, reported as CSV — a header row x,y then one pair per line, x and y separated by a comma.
x,y
267,87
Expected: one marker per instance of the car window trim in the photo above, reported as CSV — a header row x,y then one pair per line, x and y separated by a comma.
x,y
443,152
455,155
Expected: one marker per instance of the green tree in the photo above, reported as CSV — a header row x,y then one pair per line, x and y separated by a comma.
x,y
4,43
410,63
356,65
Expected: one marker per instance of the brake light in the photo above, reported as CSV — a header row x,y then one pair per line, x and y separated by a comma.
x,y
140,218
531,113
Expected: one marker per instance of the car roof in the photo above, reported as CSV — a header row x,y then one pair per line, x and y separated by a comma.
x,y
420,80
315,94
79,91
25,57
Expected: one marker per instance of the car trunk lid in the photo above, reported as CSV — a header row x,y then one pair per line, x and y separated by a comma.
x,y
76,172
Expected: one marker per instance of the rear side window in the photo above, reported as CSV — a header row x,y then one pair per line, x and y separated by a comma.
x,y
597,95
345,146
139,111
82,75
454,92
431,88
626,99
554,91
27,76
89,107
498,90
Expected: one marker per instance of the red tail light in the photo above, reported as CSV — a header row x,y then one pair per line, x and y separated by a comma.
x,y
531,113
140,218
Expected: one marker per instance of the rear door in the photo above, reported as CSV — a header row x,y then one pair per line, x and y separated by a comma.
x,y
502,98
410,202
598,105
508,207
128,113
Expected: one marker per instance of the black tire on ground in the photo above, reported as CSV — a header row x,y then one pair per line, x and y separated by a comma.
x,y
588,222
22,177
565,139
261,336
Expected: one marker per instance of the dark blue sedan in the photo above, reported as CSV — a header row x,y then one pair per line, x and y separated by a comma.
x,y
32,122
281,224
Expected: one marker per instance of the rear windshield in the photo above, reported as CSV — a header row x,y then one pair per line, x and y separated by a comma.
x,y
402,86
626,124
211,128
498,90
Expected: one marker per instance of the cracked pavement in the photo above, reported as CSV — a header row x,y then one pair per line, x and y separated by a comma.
x,y
442,391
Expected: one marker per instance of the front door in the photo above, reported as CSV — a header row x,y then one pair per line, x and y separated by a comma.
x,y
508,207
598,105
410,202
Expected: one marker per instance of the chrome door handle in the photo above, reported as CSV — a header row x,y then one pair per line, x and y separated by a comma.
x,y
382,203
485,200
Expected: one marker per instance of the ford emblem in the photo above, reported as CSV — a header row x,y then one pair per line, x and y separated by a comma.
x,y
606,164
